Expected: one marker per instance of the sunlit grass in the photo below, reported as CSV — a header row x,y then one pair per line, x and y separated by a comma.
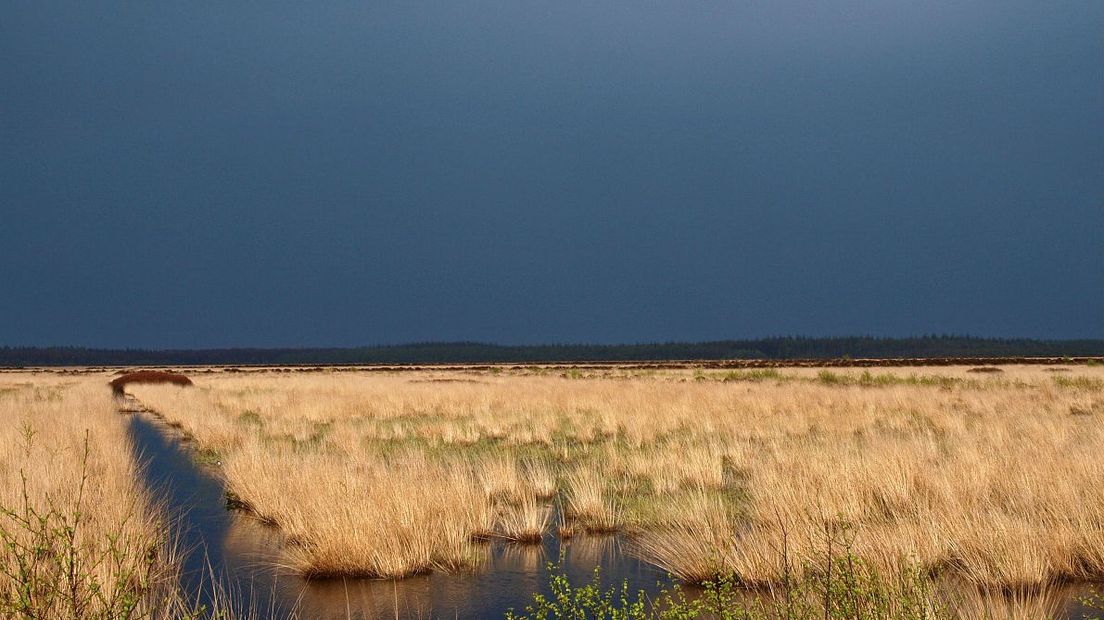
x,y
991,477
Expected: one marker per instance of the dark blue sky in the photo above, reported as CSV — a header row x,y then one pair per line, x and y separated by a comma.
x,y
253,173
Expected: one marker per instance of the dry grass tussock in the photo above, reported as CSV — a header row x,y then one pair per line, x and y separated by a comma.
x,y
992,477
80,536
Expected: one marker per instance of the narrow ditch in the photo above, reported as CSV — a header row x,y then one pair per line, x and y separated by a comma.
x,y
220,566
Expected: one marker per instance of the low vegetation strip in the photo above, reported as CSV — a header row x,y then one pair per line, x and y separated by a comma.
x,y
992,478
837,585
79,536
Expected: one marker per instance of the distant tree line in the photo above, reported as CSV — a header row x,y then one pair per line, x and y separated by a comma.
x,y
789,347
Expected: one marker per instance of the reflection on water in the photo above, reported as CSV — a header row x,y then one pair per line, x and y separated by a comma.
x,y
507,577
197,503
1057,602
244,556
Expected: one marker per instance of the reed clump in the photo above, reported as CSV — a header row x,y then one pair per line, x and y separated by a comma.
x,y
390,517
524,522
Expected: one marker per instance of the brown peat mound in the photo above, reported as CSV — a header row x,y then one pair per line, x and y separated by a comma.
x,y
118,385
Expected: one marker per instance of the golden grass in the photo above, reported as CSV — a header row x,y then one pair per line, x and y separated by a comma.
x,y
355,516
524,522
591,502
81,536
992,477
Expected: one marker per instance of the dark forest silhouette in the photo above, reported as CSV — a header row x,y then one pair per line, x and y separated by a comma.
x,y
474,352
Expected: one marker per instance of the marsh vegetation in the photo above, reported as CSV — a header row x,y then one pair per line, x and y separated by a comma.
x,y
990,478
948,492
79,536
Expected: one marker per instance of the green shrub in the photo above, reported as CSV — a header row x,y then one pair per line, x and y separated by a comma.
x,y
589,601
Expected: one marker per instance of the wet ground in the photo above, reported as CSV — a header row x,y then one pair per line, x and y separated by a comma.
x,y
243,556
